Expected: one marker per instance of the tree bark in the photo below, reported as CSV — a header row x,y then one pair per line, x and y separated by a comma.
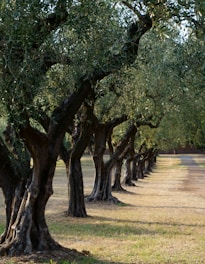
x,y
99,149
151,159
9,180
134,167
130,158
117,176
27,230
141,167
128,172
76,201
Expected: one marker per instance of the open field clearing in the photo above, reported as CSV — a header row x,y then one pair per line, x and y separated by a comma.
x,y
161,220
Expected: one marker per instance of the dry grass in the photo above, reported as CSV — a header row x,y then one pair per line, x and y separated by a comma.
x,y
161,220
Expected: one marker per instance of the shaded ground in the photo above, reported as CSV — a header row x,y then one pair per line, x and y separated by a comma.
x,y
163,220
195,181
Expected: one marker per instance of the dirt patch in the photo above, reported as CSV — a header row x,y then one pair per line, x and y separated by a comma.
x,y
195,181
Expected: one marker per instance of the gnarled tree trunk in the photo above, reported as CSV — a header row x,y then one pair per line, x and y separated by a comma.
x,y
151,159
130,158
9,180
76,202
102,185
27,230
118,163
134,167
128,172
101,178
117,176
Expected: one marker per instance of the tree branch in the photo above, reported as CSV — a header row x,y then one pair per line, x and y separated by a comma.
x,y
149,122
116,121
132,8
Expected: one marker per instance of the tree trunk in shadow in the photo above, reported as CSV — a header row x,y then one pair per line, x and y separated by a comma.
x,y
130,158
27,230
102,185
10,177
76,202
134,167
128,173
117,176
140,168
151,159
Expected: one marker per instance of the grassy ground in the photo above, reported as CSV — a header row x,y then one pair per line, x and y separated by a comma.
x,y
161,221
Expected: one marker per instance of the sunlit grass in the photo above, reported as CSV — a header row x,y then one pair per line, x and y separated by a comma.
x,y
128,242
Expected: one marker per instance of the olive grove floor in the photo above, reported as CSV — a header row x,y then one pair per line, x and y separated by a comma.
x,y
161,220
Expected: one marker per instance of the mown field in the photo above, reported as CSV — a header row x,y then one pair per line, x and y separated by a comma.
x,y
161,220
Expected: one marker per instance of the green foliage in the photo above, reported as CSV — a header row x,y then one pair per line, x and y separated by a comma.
x,y
41,62
20,66
94,33
90,33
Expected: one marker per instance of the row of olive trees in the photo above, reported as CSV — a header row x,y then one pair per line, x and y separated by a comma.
x,y
152,95
32,34
59,61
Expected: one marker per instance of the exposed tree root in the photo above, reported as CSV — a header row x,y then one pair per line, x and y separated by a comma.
x,y
19,247
118,188
130,183
110,199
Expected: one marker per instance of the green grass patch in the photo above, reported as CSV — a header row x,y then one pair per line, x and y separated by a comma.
x,y
2,228
82,260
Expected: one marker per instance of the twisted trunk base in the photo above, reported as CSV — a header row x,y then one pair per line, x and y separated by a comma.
x,y
27,231
117,177
76,202
102,187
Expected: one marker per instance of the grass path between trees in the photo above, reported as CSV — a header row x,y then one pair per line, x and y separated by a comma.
x,y
161,220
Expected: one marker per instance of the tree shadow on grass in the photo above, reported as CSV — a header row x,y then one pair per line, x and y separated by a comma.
x,y
102,226
67,256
